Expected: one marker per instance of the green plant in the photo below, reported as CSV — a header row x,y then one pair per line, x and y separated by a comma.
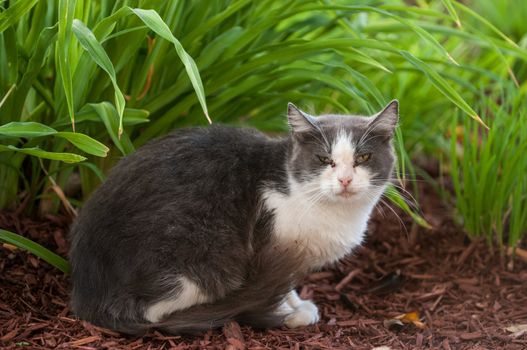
x,y
508,15
488,170
50,80
114,73
35,248
64,62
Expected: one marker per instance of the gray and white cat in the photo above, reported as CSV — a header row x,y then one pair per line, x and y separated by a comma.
x,y
213,224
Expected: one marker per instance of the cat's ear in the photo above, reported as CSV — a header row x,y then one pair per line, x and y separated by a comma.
x,y
299,121
386,120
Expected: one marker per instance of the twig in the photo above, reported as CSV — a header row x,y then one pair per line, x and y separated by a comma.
x,y
467,252
69,208
347,279
519,252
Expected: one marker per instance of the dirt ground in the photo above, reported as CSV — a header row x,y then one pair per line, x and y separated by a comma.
x,y
456,294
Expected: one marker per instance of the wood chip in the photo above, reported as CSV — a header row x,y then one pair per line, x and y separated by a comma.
x,y
351,323
236,343
317,276
82,341
519,252
9,335
347,279
467,252
464,306
233,330
471,336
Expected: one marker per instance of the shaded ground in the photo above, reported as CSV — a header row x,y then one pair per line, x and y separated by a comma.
x,y
465,296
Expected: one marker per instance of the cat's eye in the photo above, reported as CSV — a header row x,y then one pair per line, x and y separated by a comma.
x,y
326,160
361,158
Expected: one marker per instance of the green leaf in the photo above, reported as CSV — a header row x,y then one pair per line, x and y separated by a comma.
x,y
45,40
153,21
13,13
35,248
486,22
94,48
131,116
11,50
66,12
96,171
414,27
442,86
452,11
108,115
37,152
135,116
85,143
26,129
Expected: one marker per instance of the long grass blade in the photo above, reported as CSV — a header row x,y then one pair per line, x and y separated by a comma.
x,y
85,143
37,152
26,129
35,248
66,11
13,13
452,11
154,22
442,86
94,48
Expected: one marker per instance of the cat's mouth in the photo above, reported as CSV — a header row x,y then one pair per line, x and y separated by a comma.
x,y
346,193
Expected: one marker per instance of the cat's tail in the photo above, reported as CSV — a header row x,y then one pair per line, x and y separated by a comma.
x,y
272,274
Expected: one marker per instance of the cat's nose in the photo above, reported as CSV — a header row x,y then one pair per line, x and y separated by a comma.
x,y
345,181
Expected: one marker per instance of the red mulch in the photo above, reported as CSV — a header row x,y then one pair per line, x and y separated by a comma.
x,y
465,294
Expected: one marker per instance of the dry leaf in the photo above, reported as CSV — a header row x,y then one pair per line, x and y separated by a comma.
x,y
9,247
517,330
410,317
520,253
419,324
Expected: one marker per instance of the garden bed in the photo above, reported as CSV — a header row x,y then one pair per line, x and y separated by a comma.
x,y
465,294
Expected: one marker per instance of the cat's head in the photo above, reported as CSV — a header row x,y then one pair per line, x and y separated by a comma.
x,y
340,157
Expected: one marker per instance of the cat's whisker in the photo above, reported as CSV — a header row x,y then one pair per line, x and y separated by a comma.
x,y
327,144
370,139
378,206
381,200
405,195
394,178
380,209
312,201
383,182
370,128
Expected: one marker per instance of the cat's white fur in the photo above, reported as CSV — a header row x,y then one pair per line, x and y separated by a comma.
x,y
323,220
188,294
298,312
316,216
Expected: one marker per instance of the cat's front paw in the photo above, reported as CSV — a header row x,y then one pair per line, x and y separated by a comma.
x,y
304,314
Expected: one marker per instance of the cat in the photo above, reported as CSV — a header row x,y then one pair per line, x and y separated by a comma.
x,y
208,225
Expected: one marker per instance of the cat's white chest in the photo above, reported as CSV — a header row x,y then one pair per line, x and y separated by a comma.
x,y
328,230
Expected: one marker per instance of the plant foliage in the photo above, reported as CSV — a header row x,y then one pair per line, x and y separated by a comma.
x,y
83,83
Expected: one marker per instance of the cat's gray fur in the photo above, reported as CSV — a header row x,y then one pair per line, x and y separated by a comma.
x,y
190,204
